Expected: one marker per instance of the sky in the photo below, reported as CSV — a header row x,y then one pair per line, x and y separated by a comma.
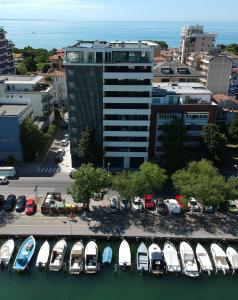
x,y
121,10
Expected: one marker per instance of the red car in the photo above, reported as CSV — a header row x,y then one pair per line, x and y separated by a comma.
x,y
149,201
30,207
180,199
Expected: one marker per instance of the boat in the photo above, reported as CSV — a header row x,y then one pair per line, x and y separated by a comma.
x,y
142,258
219,258
91,258
232,256
156,258
189,264
124,254
107,255
171,258
6,252
76,261
203,259
25,254
43,255
57,255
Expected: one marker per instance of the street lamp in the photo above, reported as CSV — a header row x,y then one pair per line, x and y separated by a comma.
x,y
108,175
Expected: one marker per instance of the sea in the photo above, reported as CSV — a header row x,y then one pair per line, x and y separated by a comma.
x,y
110,285
57,34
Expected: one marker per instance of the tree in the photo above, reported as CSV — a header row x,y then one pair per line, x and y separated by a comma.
x,y
10,160
21,69
89,149
88,181
46,67
149,179
214,142
202,181
173,144
124,185
233,128
30,64
231,188
163,44
32,139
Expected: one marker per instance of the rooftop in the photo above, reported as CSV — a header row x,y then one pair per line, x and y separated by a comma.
x,y
166,88
218,98
115,44
175,69
11,109
19,79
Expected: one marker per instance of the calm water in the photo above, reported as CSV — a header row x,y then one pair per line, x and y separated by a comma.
x,y
126,285
57,34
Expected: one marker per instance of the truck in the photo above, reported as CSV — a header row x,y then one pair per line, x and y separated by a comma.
x,y
149,201
54,204
9,172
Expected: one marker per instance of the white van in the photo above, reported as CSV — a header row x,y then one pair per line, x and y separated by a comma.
x,y
9,172
3,180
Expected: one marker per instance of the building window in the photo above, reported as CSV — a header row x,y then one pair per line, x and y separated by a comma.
x,y
99,57
75,57
90,57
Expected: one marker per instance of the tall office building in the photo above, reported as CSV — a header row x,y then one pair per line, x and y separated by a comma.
x,y
6,54
194,39
109,89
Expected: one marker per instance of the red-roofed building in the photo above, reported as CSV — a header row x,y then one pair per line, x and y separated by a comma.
x,y
57,59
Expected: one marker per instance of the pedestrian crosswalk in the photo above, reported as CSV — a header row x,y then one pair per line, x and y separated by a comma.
x,y
48,170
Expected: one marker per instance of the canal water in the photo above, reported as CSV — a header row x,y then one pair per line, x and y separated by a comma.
x,y
108,285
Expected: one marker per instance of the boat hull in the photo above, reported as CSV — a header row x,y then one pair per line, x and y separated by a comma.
x,y
43,255
171,258
57,256
124,254
142,258
91,258
25,254
76,262
6,252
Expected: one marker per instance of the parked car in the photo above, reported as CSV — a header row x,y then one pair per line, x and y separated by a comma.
x,y
66,136
182,202
2,199
61,151
64,143
173,206
233,206
162,208
21,203
10,203
193,205
58,158
149,201
3,180
114,205
64,125
125,204
30,207
209,209
137,204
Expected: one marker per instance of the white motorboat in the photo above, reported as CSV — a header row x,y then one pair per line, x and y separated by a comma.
x,y
43,255
124,254
142,258
189,264
91,258
204,259
171,258
219,258
76,261
232,256
57,255
156,258
6,252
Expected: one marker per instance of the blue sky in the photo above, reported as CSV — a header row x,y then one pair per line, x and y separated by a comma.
x,y
129,10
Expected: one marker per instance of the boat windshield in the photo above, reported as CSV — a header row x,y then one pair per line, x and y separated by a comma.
x,y
188,257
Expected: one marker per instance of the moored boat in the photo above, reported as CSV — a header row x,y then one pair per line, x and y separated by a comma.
x,y
6,252
43,255
189,264
156,257
232,256
142,258
203,259
171,258
219,258
76,261
57,255
107,255
25,254
124,254
91,258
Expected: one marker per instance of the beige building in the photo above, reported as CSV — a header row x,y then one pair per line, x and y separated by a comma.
x,y
194,39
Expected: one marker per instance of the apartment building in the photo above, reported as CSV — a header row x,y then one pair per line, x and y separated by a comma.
x,y
174,71
189,101
215,68
33,88
6,54
194,39
109,89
